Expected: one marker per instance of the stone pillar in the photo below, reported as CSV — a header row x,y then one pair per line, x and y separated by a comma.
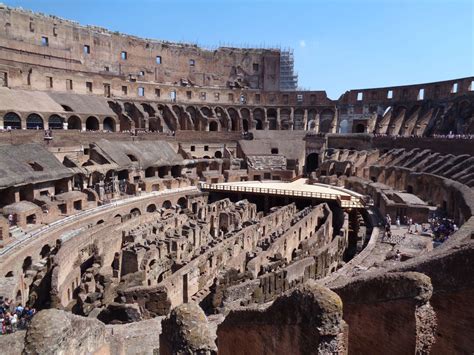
x,y
292,118
278,123
305,119
317,122
265,119
335,121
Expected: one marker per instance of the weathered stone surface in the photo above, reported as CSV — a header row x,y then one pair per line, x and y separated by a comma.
x,y
57,332
389,312
186,331
305,321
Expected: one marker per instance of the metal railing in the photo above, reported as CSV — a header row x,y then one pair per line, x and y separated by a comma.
x,y
344,201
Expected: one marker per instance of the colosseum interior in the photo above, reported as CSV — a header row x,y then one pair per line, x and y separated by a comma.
x,y
160,198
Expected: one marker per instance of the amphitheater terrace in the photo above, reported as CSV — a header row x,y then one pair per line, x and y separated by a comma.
x,y
162,198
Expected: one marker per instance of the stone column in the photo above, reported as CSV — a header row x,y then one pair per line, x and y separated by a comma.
x,y
317,122
305,119
278,122
292,118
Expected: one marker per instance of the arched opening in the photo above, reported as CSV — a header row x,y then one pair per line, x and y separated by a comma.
x,y
74,122
167,204
135,212
27,264
258,125
344,126
92,124
34,121
245,125
360,128
109,124
11,120
272,119
234,119
312,162
410,189
326,119
9,274
183,202
45,250
213,126
151,208
218,154
100,221
55,122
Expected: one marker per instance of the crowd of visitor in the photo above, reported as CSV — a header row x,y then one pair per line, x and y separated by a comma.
x,y
13,317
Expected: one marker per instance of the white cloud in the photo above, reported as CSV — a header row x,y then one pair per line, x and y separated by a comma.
x,y
302,43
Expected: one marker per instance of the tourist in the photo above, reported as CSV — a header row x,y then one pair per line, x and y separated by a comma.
x,y
398,222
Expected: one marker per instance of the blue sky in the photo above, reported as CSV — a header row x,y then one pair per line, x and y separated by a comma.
x,y
338,44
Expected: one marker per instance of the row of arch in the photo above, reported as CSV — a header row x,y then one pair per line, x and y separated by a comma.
x,y
161,117
36,121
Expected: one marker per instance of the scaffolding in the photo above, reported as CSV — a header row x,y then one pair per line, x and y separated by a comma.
x,y
288,77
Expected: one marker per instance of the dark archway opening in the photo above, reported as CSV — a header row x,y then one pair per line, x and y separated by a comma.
x,y
213,126
55,122
11,120
92,124
312,162
74,122
360,128
34,121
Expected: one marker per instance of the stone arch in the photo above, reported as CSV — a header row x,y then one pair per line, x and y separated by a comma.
x,y
344,126
74,122
223,118
12,120
259,118
234,119
34,121
218,154
194,117
183,202
92,123
245,125
109,124
206,111
245,114
272,119
213,126
298,120
55,122
134,113
167,204
326,119
285,119
135,212
151,208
